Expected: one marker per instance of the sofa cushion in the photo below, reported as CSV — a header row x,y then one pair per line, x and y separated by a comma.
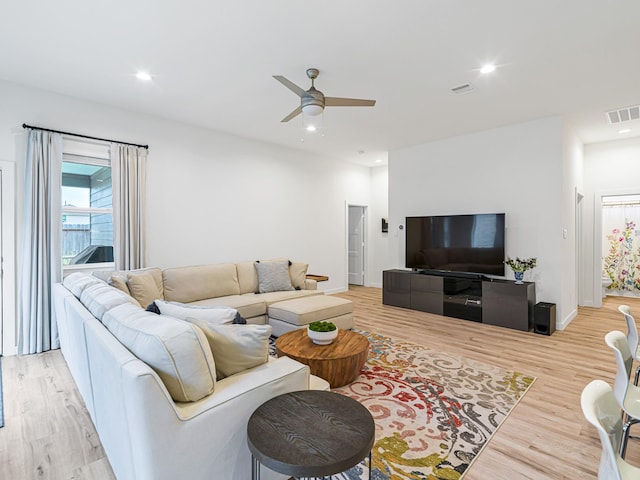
x,y
249,305
190,284
100,298
273,297
273,276
303,311
178,351
78,281
236,348
214,314
143,287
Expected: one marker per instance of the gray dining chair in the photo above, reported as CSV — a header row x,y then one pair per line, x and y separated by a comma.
x,y
626,394
632,337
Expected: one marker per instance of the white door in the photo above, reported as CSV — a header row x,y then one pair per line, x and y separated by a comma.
x,y
356,245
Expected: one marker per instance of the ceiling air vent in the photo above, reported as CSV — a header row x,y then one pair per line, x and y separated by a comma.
x,y
462,89
623,114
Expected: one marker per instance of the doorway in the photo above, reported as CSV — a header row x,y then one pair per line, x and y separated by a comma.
x,y
620,245
579,238
356,244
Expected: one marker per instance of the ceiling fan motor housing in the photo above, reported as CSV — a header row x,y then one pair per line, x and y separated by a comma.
x,y
312,102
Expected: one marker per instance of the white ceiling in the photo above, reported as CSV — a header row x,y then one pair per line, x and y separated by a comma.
x,y
213,63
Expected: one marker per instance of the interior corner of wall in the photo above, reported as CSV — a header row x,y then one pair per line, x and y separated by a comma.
x,y
564,323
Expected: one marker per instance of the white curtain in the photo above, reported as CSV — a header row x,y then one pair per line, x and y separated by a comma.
x,y
41,253
128,164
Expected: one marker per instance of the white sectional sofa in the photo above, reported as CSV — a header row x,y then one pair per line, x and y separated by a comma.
x,y
170,416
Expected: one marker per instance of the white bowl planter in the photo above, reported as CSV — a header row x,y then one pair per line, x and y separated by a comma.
x,y
322,338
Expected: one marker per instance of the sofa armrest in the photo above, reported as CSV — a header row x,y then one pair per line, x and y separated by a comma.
x,y
310,284
208,438
277,371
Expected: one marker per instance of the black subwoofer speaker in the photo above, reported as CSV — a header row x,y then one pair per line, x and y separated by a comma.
x,y
544,318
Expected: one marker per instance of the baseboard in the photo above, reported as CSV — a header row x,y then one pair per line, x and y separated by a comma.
x,y
336,290
567,320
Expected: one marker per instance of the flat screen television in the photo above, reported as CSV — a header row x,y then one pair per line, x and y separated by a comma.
x,y
456,243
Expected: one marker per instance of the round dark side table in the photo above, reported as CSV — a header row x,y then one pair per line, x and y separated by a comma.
x,y
310,433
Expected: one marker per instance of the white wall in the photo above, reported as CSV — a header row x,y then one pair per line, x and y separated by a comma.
x,y
515,169
572,185
211,197
379,208
610,168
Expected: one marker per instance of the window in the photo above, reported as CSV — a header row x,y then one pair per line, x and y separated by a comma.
x,y
87,210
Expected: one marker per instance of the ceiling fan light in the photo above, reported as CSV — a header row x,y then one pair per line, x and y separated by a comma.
x,y
312,110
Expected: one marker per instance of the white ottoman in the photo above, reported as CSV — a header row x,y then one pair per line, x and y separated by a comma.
x,y
300,312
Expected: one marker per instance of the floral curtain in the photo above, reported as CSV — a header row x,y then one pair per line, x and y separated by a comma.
x,y
621,256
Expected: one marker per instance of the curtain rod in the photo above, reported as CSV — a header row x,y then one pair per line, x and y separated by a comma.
x,y
24,125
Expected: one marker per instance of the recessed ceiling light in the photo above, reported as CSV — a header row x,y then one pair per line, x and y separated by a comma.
x,y
378,160
624,130
487,68
311,128
144,76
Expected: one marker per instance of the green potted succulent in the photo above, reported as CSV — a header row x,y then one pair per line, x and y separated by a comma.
x,y
322,333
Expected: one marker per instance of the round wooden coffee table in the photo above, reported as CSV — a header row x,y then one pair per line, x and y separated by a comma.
x,y
310,433
339,363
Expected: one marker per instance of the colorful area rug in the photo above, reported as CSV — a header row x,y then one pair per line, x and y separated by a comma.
x,y
434,412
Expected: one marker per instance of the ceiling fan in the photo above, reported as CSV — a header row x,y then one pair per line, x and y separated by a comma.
x,y
312,101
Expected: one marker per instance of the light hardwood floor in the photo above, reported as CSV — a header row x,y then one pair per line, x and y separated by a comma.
x,y
48,433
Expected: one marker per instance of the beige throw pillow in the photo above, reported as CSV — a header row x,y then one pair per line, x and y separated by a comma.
x,y
119,281
236,348
298,274
143,287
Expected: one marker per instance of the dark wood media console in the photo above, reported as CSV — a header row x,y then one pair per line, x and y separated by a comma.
x,y
492,301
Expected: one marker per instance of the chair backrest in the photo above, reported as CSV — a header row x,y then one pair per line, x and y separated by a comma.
x,y
617,341
601,410
632,330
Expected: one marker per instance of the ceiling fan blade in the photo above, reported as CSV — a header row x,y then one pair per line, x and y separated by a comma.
x,y
347,102
293,114
290,85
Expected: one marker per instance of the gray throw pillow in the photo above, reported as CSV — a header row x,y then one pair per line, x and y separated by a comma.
x,y
273,276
